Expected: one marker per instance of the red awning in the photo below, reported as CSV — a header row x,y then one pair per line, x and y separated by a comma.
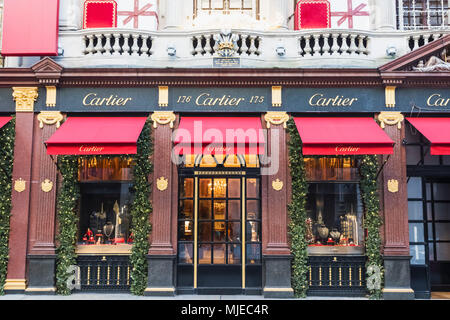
x,y
4,120
437,131
30,28
219,135
343,136
95,136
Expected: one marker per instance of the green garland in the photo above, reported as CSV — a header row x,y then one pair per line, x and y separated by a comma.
x,y
7,137
140,211
67,221
372,222
297,213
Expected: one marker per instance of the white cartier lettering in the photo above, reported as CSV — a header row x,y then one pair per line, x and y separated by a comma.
x,y
436,100
92,99
205,99
318,100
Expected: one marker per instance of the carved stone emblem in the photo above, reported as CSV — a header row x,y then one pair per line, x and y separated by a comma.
x,y
50,118
20,185
393,185
390,119
276,118
435,64
277,185
162,118
47,185
226,44
162,183
25,98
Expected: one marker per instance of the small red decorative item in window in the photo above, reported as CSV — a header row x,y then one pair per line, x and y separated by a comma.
x,y
100,14
312,14
130,238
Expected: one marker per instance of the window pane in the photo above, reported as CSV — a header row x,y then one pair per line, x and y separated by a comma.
x,y
204,209
441,211
105,169
234,210
234,231
253,253
252,188
217,4
205,188
430,231
204,254
416,232
219,231
442,231
253,231
415,187
204,233
186,209
220,209
188,188
443,251
253,210
219,253
185,253
234,254
220,188
418,254
431,251
431,160
185,229
234,188
415,210
441,191
330,169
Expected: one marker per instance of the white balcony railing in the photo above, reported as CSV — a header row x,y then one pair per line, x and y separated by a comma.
x,y
289,49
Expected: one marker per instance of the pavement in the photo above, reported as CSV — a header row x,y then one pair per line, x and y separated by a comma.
x,y
125,296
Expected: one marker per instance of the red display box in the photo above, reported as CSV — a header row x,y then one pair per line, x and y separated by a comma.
x,y
100,14
312,14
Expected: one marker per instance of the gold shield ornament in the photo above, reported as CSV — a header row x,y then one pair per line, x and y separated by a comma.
x,y
47,185
277,185
20,185
162,183
393,185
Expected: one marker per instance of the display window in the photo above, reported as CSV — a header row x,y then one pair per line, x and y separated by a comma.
x,y
106,192
334,206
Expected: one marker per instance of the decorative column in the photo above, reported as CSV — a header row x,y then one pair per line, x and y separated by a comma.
x,y
70,14
41,254
23,151
275,175
173,12
395,208
277,14
162,253
385,15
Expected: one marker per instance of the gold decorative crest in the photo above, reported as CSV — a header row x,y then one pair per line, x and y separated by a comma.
x,y
276,118
162,183
163,117
393,185
20,185
50,118
25,98
277,185
47,185
390,118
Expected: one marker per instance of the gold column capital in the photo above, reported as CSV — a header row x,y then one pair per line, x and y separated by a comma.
x,y
163,118
50,118
390,118
276,118
25,98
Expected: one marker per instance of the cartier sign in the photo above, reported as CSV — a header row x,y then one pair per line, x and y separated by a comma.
x,y
437,100
93,99
320,100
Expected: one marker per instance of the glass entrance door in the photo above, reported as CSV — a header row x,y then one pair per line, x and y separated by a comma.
x,y
219,232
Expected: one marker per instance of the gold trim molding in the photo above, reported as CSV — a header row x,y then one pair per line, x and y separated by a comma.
x,y
390,96
391,119
163,100
25,98
159,289
278,289
51,96
50,118
276,118
15,284
163,118
104,249
277,96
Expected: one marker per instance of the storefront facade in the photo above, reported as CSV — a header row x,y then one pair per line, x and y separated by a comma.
x,y
220,217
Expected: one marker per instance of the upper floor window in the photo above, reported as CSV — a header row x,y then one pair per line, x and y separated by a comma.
x,y
423,14
249,7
